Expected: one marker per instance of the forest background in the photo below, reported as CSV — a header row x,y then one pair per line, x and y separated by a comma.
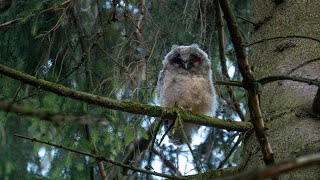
x,y
113,50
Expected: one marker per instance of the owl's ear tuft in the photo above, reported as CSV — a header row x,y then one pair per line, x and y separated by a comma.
x,y
174,46
194,45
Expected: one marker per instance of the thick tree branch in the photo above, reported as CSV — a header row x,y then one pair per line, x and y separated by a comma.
x,y
131,107
249,82
261,173
277,169
99,158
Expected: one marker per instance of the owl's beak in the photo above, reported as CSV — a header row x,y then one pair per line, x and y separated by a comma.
x,y
185,65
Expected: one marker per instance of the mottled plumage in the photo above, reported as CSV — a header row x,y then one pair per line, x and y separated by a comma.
x,y
186,81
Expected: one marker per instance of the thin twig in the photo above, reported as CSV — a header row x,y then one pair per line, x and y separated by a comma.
x,y
96,152
246,20
270,79
303,64
167,162
234,147
282,37
99,157
178,119
3,25
151,145
235,104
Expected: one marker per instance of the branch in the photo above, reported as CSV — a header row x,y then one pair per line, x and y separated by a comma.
x,y
249,82
131,107
8,23
229,83
277,169
167,162
270,79
49,115
101,168
303,64
99,157
234,147
3,25
235,104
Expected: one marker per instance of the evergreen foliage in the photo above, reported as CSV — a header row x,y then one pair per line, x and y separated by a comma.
x,y
109,49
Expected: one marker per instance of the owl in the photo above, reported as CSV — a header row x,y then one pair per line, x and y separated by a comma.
x,y
186,81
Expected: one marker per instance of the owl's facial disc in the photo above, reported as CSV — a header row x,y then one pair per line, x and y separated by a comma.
x,y
186,61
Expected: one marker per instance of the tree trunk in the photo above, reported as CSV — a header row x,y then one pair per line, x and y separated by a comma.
x,y
293,130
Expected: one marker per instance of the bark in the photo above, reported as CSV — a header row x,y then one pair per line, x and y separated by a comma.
x,y
286,105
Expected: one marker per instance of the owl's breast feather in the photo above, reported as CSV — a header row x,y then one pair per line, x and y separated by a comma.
x,y
190,92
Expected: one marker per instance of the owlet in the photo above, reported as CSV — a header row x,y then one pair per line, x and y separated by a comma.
x,y
186,81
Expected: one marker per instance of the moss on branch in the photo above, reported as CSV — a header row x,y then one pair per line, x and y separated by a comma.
x,y
130,107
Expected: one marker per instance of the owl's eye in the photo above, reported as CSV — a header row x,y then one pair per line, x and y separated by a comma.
x,y
194,60
177,62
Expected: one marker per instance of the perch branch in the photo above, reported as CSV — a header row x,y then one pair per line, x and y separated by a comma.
x,y
131,107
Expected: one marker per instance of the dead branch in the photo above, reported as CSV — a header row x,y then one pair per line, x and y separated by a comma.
x,y
249,82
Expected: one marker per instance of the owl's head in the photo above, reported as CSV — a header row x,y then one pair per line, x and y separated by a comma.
x,y
186,59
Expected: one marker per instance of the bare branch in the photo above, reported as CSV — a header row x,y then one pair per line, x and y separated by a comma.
x,y
167,162
269,79
282,37
249,82
304,63
99,157
3,25
235,104
234,147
